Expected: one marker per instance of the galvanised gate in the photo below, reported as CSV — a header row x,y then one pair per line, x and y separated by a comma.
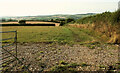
x,y
8,53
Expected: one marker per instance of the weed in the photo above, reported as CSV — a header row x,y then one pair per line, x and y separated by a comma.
x,y
53,49
84,64
91,46
64,67
63,62
5,69
21,67
111,54
42,65
59,48
38,59
72,65
59,68
41,52
118,67
102,66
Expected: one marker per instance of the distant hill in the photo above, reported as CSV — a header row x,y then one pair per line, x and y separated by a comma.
x,y
48,17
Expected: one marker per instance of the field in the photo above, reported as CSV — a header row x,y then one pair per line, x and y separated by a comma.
x,y
29,22
63,48
49,34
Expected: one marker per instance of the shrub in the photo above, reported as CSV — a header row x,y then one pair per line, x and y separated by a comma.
x,y
22,22
116,17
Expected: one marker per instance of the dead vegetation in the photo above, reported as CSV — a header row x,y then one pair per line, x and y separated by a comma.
x,y
106,23
29,22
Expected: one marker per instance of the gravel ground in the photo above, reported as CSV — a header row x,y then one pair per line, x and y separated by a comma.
x,y
44,56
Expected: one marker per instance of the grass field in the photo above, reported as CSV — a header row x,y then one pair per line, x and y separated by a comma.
x,y
49,34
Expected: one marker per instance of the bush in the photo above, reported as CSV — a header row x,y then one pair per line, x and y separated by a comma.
x,y
116,17
104,17
22,21
69,20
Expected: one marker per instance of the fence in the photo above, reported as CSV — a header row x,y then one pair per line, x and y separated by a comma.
x,y
9,60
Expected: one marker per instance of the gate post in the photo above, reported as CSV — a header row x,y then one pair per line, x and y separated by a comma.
x,y
16,42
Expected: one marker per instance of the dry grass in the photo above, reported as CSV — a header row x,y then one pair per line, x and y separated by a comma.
x,y
29,22
79,25
9,23
38,22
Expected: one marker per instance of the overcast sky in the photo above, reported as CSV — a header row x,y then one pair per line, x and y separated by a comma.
x,y
49,7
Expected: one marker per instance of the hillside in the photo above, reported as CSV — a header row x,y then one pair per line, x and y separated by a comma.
x,y
47,17
107,23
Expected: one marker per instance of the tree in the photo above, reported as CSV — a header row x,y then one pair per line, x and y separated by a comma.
x,y
116,17
69,20
3,20
22,22
62,23
51,20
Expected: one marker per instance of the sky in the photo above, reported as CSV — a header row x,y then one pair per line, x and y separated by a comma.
x,y
50,7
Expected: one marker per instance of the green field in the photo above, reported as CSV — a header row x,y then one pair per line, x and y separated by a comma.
x,y
49,34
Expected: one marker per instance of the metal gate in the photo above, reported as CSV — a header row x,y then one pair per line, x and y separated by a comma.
x,y
8,56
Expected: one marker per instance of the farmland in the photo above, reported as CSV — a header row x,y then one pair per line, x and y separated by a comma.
x,y
29,22
73,47
48,17
50,48
48,34
59,43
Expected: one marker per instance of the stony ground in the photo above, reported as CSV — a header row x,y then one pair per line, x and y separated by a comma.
x,y
43,56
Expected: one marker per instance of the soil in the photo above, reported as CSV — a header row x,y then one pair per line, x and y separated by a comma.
x,y
43,56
